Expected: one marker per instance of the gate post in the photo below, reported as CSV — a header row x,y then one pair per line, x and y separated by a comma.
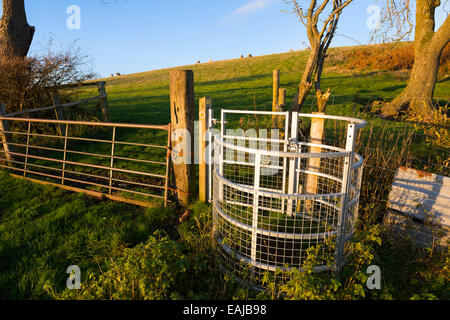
x,y
275,102
182,105
203,117
4,126
346,186
104,101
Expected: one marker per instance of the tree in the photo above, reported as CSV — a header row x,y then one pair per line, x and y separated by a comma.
x,y
320,20
417,98
15,33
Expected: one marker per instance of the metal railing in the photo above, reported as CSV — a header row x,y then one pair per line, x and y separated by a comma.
x,y
88,157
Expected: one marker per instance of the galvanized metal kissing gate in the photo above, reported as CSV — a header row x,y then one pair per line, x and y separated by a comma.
x,y
275,196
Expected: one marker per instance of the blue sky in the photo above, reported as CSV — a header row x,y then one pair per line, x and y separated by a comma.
x,y
131,36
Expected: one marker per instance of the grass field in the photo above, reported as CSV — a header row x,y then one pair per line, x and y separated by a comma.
x,y
43,230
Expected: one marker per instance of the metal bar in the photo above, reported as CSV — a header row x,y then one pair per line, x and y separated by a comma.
x,y
222,153
293,163
92,175
342,220
90,165
112,159
210,152
141,144
286,142
278,195
65,153
169,148
255,208
89,124
252,138
88,140
27,150
255,112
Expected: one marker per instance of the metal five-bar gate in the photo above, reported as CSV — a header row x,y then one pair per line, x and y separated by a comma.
x,y
103,159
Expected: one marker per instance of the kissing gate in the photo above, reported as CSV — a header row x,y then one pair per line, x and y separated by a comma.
x,y
275,195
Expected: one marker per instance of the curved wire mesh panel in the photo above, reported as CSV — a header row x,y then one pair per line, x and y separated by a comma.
x,y
272,204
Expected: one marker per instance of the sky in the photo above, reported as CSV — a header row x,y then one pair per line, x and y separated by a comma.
x,y
130,36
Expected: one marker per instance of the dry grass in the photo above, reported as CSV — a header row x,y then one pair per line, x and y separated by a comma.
x,y
388,58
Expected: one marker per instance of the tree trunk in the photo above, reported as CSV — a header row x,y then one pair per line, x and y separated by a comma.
x,y
417,97
306,83
15,33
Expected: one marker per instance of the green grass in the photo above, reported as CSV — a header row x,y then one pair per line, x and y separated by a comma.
x,y
43,229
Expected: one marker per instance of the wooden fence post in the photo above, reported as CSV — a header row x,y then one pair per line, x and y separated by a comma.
x,y
276,89
203,116
59,115
281,104
316,136
104,101
182,105
4,126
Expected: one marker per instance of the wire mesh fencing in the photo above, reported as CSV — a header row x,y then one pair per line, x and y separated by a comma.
x,y
275,198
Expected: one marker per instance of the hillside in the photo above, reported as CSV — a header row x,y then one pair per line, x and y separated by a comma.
x,y
238,83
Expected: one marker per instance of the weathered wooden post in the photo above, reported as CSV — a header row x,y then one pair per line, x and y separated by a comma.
x,y
280,108
104,101
276,88
316,137
59,114
203,116
281,98
182,105
4,126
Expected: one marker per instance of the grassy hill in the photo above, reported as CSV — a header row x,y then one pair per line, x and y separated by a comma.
x,y
238,83
43,230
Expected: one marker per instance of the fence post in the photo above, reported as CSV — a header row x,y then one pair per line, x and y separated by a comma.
x,y
276,87
104,101
4,126
346,186
280,107
59,114
316,136
203,116
182,105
